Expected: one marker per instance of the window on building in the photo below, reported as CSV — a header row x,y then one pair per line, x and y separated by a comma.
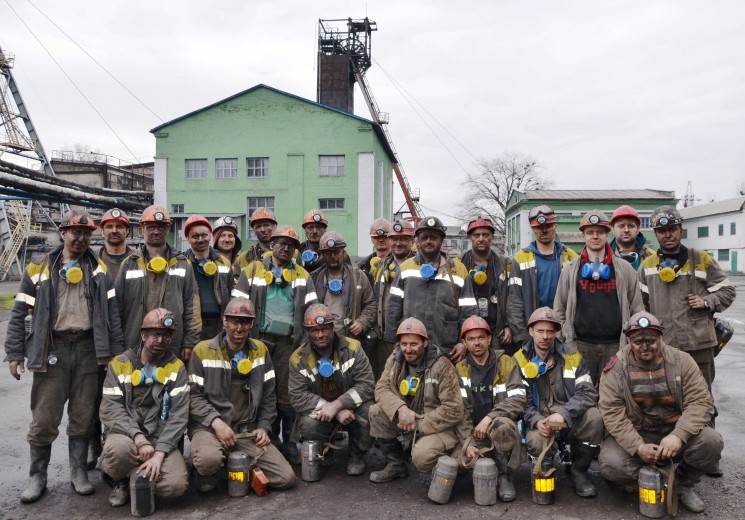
x,y
257,166
721,230
196,168
177,208
732,228
328,204
723,255
646,222
331,165
703,231
684,233
253,204
226,168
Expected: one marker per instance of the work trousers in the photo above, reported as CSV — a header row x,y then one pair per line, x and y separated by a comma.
x,y
73,378
120,457
587,430
704,358
596,356
209,456
383,351
310,429
702,452
211,327
503,436
281,360
426,449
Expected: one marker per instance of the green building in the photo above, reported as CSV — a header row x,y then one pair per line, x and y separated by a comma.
x,y
267,148
571,205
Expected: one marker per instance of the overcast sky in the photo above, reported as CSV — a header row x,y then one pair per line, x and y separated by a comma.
x,y
605,94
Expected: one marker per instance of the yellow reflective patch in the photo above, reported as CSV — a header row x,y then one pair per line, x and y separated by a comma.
x,y
545,485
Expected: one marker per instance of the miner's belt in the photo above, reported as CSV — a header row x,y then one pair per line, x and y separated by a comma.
x,y
72,337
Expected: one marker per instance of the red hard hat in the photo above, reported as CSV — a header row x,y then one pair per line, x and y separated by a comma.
x,y
412,326
480,223
315,216
625,211
155,214
78,218
401,228
195,220
287,232
474,323
114,215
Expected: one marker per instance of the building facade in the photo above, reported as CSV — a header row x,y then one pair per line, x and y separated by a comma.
x,y
719,228
266,148
570,205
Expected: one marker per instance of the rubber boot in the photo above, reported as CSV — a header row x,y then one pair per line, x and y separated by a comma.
x,y
78,450
581,459
716,472
687,477
37,473
355,465
289,448
395,466
505,486
206,484
120,493
94,446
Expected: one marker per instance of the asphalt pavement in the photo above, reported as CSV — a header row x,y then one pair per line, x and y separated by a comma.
x,y
338,496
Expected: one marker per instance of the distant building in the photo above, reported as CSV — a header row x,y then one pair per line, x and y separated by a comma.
x,y
456,241
719,228
570,205
266,147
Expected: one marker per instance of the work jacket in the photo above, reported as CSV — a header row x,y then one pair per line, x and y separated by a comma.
x,y
210,374
113,266
383,274
522,298
623,417
508,391
121,414
498,270
181,297
442,303
352,376
309,266
570,372
641,247
252,285
38,291
565,303
223,281
686,328
361,305
441,404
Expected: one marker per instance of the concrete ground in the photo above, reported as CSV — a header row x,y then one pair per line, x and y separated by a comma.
x,y
339,496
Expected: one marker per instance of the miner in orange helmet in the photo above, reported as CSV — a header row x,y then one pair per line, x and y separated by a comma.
x,y
494,397
115,228
157,275
380,228
628,241
263,223
314,226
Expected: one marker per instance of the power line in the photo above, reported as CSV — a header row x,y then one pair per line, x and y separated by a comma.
x,y
96,61
73,82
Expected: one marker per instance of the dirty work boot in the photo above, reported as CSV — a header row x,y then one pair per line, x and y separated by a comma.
x,y
395,466
355,465
581,459
505,486
716,472
37,481
206,484
289,448
120,493
94,446
687,477
78,450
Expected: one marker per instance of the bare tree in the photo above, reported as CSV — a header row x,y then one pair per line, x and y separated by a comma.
x,y
490,187
740,187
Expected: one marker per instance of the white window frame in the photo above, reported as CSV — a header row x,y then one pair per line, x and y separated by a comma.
x,y
257,167
195,168
331,165
258,202
332,204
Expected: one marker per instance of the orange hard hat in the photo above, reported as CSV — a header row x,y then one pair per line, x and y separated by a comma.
x,y
262,214
316,315
641,321
196,220
401,228
155,214
114,215
240,307
480,223
78,218
332,240
380,227
544,314
288,232
411,326
315,216
627,212
541,215
159,319
595,217
474,323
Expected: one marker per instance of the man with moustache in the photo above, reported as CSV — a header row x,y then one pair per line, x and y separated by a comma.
x,y
115,230
535,272
597,294
262,222
314,226
158,276
628,243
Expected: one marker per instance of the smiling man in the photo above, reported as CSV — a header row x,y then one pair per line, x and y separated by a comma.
x,y
656,408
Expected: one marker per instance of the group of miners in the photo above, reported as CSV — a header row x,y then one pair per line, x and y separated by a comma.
x,y
607,354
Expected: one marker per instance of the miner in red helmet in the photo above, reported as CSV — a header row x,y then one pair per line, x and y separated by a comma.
x,y
628,241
